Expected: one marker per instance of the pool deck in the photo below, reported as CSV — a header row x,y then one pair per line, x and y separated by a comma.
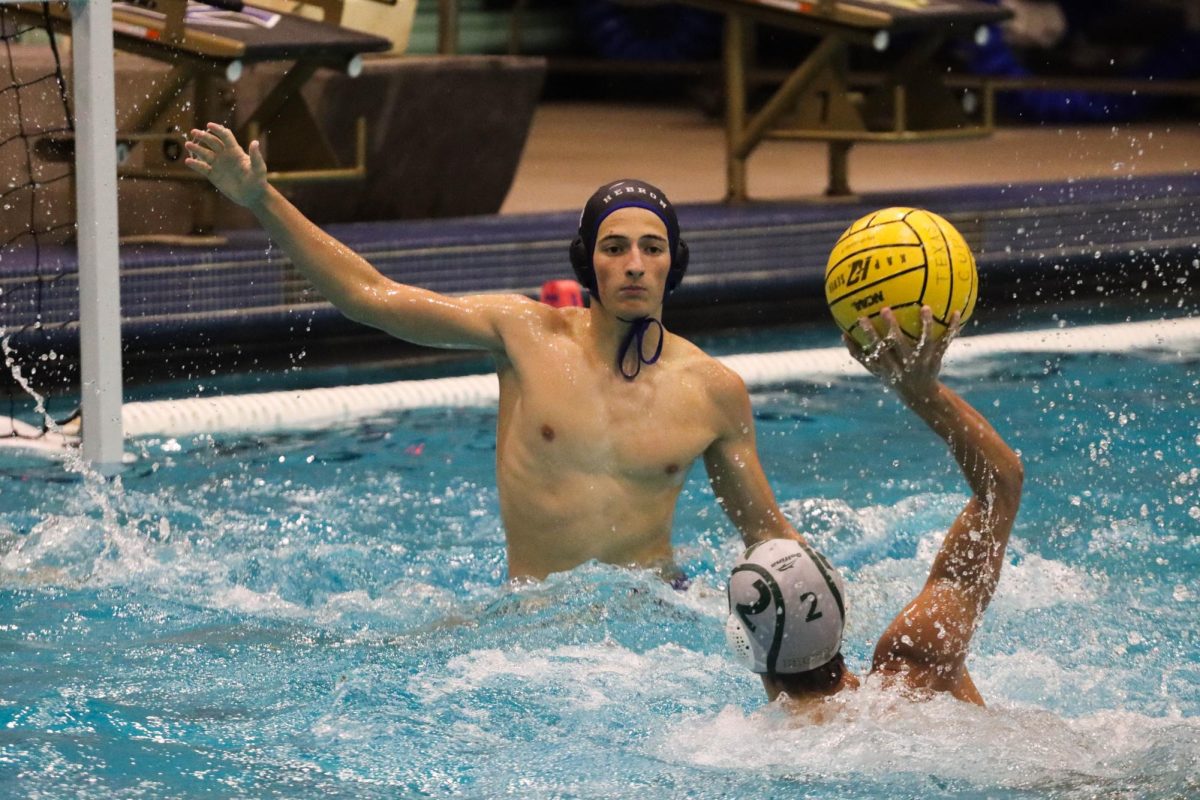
x,y
575,147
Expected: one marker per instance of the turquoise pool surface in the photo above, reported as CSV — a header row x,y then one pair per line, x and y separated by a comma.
x,y
326,615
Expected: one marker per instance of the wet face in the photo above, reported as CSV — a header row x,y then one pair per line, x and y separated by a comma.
x,y
632,259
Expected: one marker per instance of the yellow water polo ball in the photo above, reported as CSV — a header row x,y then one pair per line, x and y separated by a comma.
x,y
904,258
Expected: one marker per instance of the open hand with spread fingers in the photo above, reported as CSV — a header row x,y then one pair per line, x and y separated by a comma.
x,y
911,368
216,154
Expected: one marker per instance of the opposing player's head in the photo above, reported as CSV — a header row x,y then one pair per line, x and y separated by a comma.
x,y
613,197
786,608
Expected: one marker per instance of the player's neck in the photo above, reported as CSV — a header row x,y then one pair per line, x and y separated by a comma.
x,y
626,342
804,701
608,330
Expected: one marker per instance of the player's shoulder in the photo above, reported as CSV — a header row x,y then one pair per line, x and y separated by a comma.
x,y
517,309
722,384
506,301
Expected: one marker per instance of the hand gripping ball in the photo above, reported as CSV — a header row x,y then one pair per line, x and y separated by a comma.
x,y
903,258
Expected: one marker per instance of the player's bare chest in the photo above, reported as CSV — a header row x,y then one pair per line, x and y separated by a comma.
x,y
651,428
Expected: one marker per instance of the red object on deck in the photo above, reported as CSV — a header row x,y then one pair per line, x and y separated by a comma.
x,y
562,293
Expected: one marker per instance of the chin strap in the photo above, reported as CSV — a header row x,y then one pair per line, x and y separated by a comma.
x,y
637,332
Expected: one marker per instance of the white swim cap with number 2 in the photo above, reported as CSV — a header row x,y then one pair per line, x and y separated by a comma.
x,y
786,608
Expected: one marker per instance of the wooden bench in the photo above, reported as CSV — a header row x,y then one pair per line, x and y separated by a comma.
x,y
407,138
208,46
908,102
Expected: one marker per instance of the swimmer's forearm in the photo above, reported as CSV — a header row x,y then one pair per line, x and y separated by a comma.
x,y
365,295
336,271
342,277
992,469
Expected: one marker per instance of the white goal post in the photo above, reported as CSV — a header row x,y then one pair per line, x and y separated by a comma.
x,y
96,220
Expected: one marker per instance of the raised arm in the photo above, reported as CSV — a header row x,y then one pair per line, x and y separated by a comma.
x,y
737,477
343,277
929,640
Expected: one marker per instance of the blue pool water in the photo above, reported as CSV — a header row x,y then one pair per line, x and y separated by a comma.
x,y
326,615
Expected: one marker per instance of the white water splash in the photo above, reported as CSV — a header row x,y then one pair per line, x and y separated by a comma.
x,y
879,737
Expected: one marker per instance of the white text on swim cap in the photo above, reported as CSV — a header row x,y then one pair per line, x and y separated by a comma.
x,y
616,192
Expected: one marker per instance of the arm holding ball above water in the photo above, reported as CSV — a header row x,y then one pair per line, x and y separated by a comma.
x,y
926,645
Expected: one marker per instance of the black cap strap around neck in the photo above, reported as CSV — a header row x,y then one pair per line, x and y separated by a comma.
x,y
637,332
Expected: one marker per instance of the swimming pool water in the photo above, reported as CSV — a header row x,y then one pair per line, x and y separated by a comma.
x,y
327,615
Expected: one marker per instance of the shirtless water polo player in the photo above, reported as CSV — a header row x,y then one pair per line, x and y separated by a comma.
x,y
787,603
602,411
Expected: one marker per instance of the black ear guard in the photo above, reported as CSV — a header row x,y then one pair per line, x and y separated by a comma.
x,y
679,266
581,262
585,273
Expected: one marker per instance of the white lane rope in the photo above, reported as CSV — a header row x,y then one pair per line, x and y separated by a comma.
x,y
311,409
